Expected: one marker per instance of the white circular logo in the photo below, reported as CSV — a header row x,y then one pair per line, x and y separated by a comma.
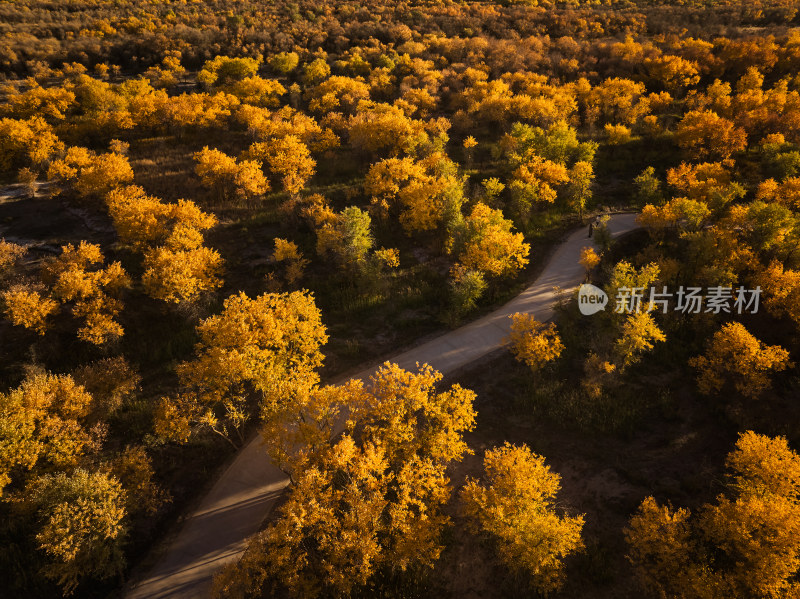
x,y
591,299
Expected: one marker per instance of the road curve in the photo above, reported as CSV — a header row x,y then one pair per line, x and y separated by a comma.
x,y
242,498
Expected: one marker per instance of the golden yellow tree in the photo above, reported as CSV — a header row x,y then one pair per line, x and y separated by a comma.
x,y
287,158
589,259
734,356
231,178
378,127
133,468
256,91
781,288
288,253
533,183
82,528
533,342
25,306
264,349
30,142
76,278
638,335
49,103
224,70
91,174
141,220
747,544
679,213
180,275
337,93
617,135
347,237
515,507
425,194
43,424
178,268
10,253
486,243
403,413
110,381
705,134
370,502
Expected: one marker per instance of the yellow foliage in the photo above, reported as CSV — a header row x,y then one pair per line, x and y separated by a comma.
x,y
533,342
197,110
224,70
42,421
28,308
534,182
27,142
242,179
369,501
388,257
423,192
139,219
178,268
82,528
489,245
639,333
268,345
347,236
617,135
589,259
679,212
9,254
378,127
172,418
178,276
286,251
597,374
704,134
91,174
616,100
133,468
404,415
257,91
700,181
50,103
660,546
76,275
734,355
781,287
288,158
516,509
786,193
337,93
109,381
747,544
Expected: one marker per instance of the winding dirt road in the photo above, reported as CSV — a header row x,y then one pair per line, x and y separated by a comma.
x,y
236,506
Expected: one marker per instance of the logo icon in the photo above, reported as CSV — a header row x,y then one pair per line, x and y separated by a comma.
x,y
591,299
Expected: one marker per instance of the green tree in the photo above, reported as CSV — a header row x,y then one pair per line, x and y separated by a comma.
x,y
648,188
348,237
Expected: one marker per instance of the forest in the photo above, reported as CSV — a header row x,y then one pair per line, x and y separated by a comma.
x,y
214,214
